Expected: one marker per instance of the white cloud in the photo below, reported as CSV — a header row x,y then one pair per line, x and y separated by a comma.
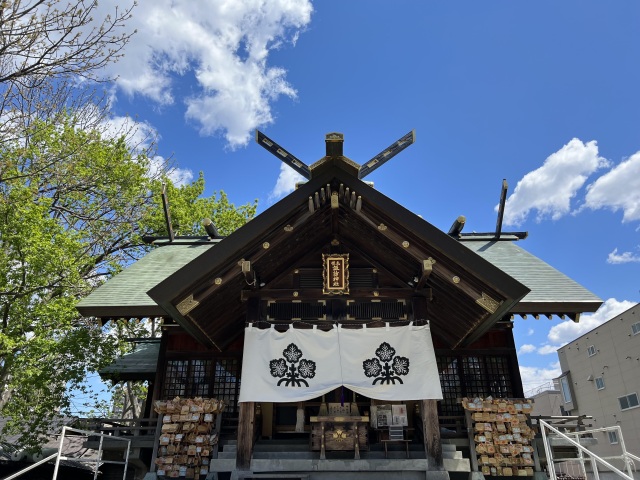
x,y
618,189
526,348
221,47
625,257
567,331
530,332
548,349
178,176
286,182
138,135
535,376
550,188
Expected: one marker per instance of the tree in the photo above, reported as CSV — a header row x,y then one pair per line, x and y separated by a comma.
x,y
46,47
73,207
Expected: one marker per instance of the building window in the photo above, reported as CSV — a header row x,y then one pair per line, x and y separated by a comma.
x,y
471,376
216,378
628,401
613,436
564,386
635,328
591,350
600,383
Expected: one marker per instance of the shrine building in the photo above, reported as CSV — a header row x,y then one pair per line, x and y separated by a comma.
x,y
340,329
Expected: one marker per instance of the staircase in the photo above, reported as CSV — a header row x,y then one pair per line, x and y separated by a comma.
x,y
291,458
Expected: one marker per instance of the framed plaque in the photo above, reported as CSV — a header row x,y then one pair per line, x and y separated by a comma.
x,y
335,274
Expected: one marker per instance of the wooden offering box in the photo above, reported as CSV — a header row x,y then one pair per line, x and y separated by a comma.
x,y
339,433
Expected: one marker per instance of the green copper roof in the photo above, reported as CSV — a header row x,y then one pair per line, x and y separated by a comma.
x,y
551,290
140,364
125,295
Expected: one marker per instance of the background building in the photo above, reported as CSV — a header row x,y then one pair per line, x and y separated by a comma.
x,y
547,399
601,377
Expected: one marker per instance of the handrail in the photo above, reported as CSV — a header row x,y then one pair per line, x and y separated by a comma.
x,y
133,426
98,458
31,467
58,455
593,458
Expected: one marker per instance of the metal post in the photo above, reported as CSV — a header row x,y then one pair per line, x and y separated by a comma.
x,y
581,458
98,458
55,470
126,461
551,469
594,466
627,462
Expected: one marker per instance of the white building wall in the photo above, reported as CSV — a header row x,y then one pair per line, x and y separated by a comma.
x,y
617,362
547,403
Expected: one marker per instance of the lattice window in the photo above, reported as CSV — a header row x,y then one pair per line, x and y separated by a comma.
x,y
451,386
227,382
472,376
175,383
499,377
204,378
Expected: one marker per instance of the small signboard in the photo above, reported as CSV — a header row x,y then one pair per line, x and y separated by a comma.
x,y
335,272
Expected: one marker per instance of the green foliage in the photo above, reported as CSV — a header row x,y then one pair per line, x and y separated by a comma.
x,y
188,208
73,207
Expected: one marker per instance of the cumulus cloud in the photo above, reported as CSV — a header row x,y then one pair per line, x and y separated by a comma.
x,y
548,349
221,47
526,348
549,189
530,332
286,182
624,257
536,376
565,332
618,189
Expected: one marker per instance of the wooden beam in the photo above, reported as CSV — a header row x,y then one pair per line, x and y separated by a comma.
x,y
503,202
316,294
431,430
167,212
427,268
249,273
246,420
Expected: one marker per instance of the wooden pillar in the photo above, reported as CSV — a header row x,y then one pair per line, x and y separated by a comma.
x,y
431,430
247,414
246,421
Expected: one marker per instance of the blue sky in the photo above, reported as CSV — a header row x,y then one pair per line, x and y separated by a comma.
x,y
544,94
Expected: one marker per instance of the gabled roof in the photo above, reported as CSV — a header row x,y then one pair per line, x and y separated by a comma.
x,y
469,293
469,284
552,292
140,364
125,295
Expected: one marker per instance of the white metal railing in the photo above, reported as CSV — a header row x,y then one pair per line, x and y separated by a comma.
x,y
584,453
97,460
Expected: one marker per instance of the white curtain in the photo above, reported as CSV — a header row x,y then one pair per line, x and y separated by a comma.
x,y
388,363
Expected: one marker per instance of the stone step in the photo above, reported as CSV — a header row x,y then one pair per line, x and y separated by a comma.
x,y
457,464
307,455
271,476
367,469
447,447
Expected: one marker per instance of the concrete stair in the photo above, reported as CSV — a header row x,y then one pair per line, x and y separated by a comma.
x,y
291,454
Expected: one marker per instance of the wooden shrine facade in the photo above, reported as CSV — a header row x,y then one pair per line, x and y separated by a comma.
x,y
397,268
